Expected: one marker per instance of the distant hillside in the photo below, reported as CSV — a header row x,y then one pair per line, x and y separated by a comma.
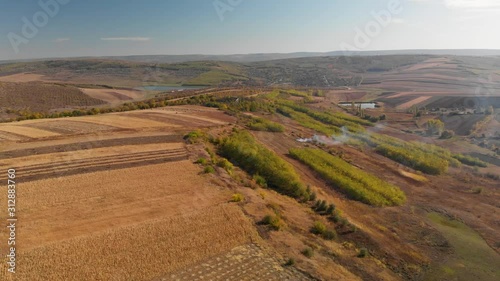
x,y
323,71
275,56
259,57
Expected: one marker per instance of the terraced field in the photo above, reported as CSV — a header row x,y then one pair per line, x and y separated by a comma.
x,y
112,187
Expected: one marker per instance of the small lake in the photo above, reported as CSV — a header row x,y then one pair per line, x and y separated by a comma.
x,y
364,105
168,88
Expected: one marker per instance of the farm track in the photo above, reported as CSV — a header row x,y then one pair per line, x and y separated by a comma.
x,y
95,164
91,144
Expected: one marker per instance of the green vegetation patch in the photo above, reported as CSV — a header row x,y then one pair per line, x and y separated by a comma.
x,y
356,183
261,124
245,152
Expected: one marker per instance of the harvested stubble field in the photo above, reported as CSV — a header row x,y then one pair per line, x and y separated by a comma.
x,y
243,263
140,251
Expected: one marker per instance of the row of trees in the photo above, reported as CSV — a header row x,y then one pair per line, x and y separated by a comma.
x,y
309,122
261,124
356,183
243,151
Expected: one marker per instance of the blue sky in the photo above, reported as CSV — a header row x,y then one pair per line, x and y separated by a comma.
x,y
129,27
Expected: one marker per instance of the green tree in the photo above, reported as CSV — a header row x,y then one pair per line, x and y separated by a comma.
x,y
434,127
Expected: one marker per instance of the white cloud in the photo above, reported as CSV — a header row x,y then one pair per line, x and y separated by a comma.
x,y
126,39
398,20
473,4
59,40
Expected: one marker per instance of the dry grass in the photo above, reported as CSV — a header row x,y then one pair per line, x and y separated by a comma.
x,y
140,252
413,176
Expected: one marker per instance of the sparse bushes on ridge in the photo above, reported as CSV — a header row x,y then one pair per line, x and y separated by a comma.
x,y
356,183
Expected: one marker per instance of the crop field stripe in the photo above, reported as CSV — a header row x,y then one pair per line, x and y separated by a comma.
x,y
93,144
27,131
98,159
36,172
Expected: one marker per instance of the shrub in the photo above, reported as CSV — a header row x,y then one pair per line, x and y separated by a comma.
x,y
209,170
225,164
290,262
201,161
318,228
321,207
363,252
237,197
308,252
330,209
260,180
274,221
195,136
329,234
447,134
313,196
492,176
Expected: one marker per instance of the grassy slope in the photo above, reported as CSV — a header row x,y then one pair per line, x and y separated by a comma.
x,y
473,259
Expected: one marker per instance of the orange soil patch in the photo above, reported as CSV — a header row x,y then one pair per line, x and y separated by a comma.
x,y
27,131
413,102
112,95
